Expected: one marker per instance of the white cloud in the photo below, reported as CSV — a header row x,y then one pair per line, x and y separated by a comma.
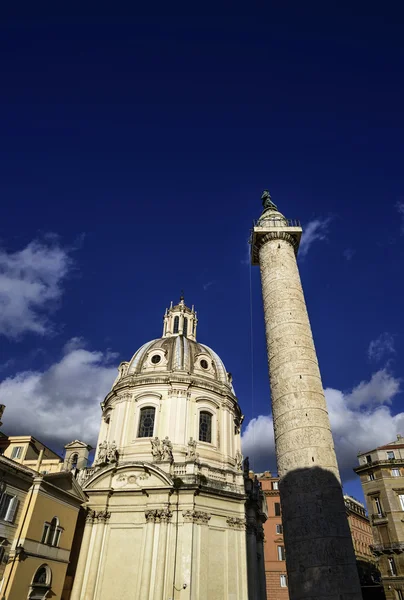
x,y
360,421
400,209
315,230
62,403
207,285
30,286
349,253
382,346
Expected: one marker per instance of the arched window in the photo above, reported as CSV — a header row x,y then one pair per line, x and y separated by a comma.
x,y
41,583
205,427
176,324
74,459
185,330
146,422
51,533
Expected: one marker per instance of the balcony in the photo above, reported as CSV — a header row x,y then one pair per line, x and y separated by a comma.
x,y
388,548
379,518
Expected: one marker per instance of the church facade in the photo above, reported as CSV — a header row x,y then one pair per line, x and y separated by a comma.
x,y
166,510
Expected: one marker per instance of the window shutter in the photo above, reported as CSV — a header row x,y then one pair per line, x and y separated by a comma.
x,y
12,509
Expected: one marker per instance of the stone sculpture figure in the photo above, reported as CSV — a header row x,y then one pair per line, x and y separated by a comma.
x,y
155,448
167,450
191,452
102,452
239,460
112,453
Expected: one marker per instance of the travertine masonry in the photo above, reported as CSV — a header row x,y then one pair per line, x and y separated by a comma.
x,y
318,545
298,402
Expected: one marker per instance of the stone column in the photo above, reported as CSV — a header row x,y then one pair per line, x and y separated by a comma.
x,y
100,518
82,562
319,552
165,517
252,577
148,554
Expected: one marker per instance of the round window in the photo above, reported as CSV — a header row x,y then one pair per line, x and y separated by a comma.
x,y
156,359
204,364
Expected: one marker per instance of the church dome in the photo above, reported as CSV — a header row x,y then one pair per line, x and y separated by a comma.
x,y
177,351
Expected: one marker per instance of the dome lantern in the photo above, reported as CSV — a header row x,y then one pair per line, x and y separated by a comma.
x,y
180,320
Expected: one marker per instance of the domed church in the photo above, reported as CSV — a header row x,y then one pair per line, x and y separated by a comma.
x,y
166,511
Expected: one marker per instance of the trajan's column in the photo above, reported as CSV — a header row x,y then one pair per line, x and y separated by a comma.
x,y
319,554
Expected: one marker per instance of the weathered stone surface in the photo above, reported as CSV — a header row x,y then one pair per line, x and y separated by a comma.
x,y
319,552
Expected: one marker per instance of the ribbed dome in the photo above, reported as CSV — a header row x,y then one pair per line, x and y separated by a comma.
x,y
178,354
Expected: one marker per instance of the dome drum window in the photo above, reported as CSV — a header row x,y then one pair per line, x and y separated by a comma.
x,y
205,427
155,359
204,364
146,422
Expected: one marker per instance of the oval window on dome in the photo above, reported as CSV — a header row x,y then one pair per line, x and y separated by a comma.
x,y
156,358
204,364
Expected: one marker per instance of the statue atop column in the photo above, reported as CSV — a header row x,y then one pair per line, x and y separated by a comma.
x,y
267,201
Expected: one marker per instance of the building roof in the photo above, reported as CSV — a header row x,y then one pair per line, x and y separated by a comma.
x,y
178,354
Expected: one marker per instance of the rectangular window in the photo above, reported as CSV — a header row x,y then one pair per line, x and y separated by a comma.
x,y
284,581
277,509
279,529
368,458
8,507
392,567
16,452
45,533
371,476
281,553
275,485
390,454
378,506
205,427
401,498
395,472
146,422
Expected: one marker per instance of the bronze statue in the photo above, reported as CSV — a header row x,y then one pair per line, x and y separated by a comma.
x,y
267,201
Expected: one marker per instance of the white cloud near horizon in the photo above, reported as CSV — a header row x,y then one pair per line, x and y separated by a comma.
x,y
360,420
382,346
316,230
30,286
62,403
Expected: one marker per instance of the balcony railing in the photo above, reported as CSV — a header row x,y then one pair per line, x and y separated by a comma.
x,y
277,222
388,548
378,517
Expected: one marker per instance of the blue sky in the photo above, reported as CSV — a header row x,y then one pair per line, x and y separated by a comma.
x,y
134,151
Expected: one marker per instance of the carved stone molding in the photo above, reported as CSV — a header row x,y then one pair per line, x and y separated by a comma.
x,y
196,516
101,516
277,235
90,516
236,522
158,515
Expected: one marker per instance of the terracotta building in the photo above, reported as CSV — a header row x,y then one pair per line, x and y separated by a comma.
x,y
361,529
382,476
274,551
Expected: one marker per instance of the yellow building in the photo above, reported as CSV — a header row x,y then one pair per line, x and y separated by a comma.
x,y
38,516
381,471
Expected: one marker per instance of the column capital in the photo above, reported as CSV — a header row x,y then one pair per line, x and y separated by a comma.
x,y
196,516
236,522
